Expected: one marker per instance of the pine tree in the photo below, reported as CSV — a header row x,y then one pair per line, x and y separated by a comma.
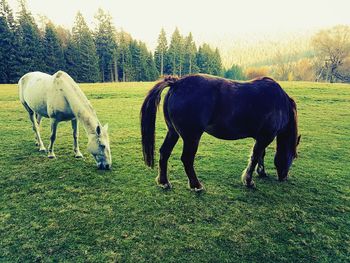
x,y
105,39
6,38
152,71
235,72
125,60
161,51
53,51
30,42
216,63
176,52
71,58
10,45
208,60
202,59
86,58
148,67
190,50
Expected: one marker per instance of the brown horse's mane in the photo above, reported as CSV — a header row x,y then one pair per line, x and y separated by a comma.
x,y
294,124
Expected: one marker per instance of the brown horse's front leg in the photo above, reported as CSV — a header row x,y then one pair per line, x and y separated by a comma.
x,y
188,154
257,154
261,167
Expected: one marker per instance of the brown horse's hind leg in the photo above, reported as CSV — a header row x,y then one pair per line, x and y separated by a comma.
x,y
165,151
190,148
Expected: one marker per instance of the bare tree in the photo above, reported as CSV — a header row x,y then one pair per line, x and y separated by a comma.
x,y
332,46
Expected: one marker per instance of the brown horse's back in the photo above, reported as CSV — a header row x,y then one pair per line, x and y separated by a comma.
x,y
227,109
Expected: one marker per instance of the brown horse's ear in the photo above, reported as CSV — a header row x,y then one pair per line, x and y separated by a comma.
x,y
298,140
98,130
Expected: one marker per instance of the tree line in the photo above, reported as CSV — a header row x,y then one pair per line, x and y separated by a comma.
x,y
326,59
181,56
100,55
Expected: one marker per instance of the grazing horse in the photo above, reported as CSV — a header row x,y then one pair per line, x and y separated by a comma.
x,y
59,98
227,110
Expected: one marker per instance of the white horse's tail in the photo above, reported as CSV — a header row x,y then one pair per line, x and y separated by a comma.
x,y
20,89
21,86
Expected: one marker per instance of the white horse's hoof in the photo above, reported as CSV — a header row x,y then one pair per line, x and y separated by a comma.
x,y
51,156
78,155
42,149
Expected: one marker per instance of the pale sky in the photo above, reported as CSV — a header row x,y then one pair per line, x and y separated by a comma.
x,y
209,21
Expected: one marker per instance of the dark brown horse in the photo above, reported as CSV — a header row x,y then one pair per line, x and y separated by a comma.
x,y
226,109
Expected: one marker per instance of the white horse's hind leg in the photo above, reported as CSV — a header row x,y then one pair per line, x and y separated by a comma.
x,y
54,124
75,138
36,130
38,120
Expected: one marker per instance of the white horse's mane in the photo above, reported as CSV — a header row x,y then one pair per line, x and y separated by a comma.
x,y
77,100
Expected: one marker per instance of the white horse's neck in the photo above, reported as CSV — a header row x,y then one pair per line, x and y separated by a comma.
x,y
79,104
88,119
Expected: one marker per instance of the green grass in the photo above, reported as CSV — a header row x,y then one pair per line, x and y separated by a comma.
x,y
66,210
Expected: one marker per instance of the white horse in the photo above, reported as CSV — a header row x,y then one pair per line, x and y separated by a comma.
x,y
59,98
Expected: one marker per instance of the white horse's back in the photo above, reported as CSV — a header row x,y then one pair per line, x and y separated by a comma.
x,y
51,96
33,91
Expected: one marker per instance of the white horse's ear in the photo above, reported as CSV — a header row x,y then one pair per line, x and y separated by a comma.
x,y
98,130
105,127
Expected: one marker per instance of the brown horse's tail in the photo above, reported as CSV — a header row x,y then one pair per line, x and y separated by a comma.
x,y
148,118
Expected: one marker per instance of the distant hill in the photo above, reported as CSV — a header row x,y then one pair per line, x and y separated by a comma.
x,y
256,51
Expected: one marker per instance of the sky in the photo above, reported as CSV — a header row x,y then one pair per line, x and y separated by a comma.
x,y
215,22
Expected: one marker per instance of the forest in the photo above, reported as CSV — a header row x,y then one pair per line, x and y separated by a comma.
x,y
104,54
107,53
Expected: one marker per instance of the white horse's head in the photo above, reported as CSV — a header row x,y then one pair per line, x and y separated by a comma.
x,y
98,146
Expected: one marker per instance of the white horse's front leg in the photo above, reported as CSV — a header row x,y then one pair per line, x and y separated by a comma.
x,y
54,124
75,139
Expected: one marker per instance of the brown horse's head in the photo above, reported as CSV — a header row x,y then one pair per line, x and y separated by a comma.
x,y
287,143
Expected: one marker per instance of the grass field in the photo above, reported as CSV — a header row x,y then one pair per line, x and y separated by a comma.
x,y
66,210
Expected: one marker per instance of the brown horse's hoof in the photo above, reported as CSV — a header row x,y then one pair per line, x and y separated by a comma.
x,y
250,185
247,183
197,189
262,174
165,186
283,179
